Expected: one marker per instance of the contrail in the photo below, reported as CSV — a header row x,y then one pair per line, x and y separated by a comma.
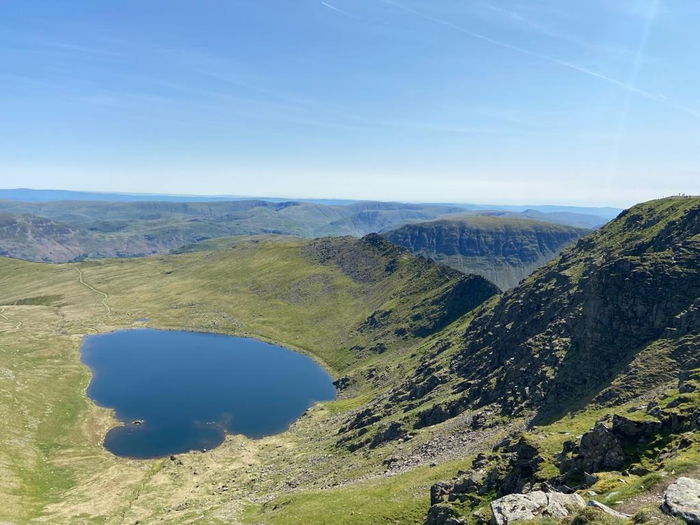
x,y
336,9
656,97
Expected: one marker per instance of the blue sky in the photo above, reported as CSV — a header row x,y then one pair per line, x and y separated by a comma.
x,y
511,101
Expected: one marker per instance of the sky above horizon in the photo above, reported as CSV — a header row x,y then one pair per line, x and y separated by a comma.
x,y
590,102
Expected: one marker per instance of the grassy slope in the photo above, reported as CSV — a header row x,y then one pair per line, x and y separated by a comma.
x,y
398,499
51,461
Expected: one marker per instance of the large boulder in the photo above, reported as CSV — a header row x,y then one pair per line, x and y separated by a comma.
x,y
523,469
533,505
601,450
682,499
633,431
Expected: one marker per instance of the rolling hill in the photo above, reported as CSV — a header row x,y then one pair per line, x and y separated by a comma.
x,y
101,229
603,214
130,229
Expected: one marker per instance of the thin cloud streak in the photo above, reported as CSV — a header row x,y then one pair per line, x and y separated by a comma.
x,y
656,97
337,9
536,27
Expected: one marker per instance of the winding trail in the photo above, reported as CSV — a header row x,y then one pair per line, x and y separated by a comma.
x,y
104,295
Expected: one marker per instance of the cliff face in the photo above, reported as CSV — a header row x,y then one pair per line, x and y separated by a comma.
x,y
503,249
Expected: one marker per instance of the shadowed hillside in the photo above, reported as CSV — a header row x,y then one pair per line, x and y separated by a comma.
x,y
588,325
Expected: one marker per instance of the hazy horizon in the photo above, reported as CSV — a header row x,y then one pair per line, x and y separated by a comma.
x,y
223,196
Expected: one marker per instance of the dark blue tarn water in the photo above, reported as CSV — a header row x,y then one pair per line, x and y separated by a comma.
x,y
180,391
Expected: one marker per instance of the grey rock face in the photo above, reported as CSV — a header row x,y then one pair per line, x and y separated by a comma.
x,y
537,504
682,499
689,381
601,449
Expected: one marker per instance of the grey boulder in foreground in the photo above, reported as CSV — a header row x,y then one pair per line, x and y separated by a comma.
x,y
682,499
533,505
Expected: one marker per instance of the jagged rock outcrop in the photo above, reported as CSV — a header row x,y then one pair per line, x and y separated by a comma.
x,y
443,515
393,431
603,449
599,449
682,499
502,249
513,467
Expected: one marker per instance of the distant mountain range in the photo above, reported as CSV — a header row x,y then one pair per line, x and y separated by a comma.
x,y
59,230
32,195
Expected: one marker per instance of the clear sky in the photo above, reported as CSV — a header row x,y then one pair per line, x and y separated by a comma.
x,y
497,101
